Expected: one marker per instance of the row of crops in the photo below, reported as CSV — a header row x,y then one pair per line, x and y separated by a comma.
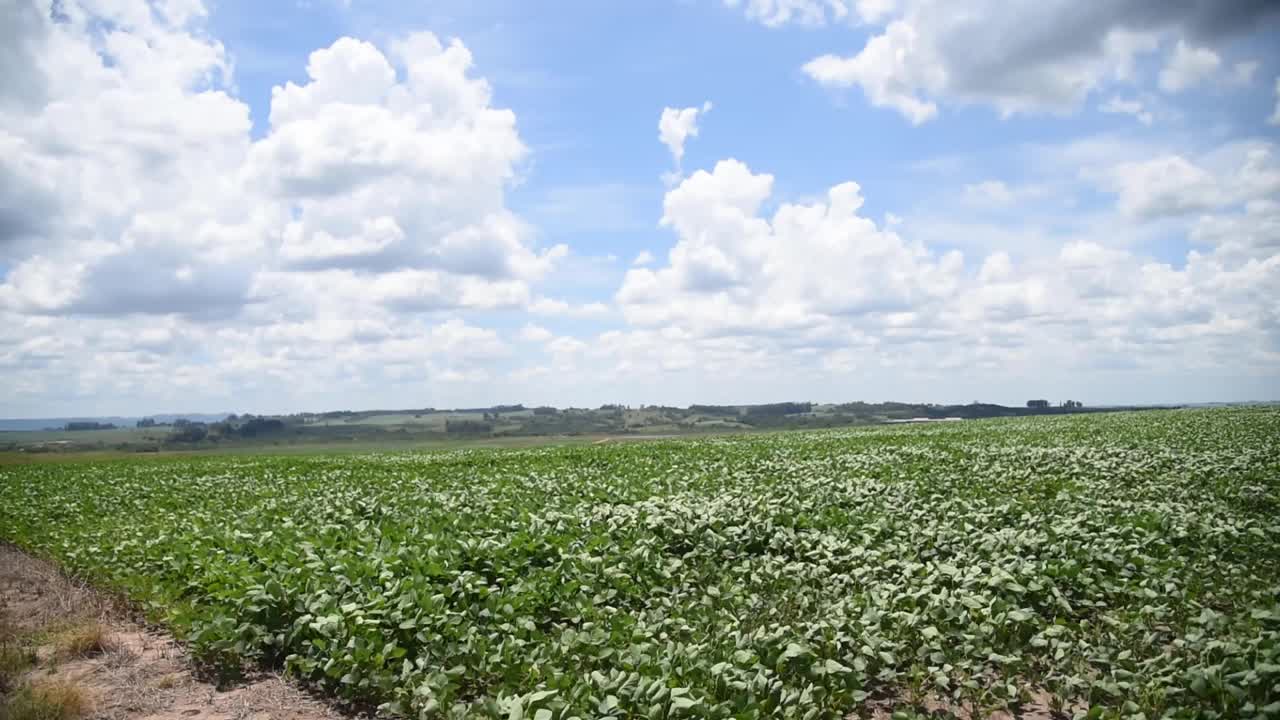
x,y
1121,565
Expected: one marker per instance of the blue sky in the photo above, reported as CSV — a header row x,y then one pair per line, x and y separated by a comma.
x,y
1048,202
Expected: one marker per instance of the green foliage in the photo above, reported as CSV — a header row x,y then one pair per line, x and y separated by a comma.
x,y
777,409
82,426
1125,563
468,426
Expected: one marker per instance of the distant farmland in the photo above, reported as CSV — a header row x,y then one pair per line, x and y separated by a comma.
x,y
507,425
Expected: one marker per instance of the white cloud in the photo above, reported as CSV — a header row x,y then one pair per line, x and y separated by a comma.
x,y
554,307
134,200
820,290
1275,115
372,237
989,192
1173,185
1169,185
676,126
535,333
1117,105
887,71
732,268
1023,57
359,169
1254,230
159,251
565,345
999,195
776,13
1242,72
1187,67
416,169
121,194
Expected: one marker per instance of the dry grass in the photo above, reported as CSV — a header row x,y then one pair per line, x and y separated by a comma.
x,y
87,640
53,700
168,682
14,661
16,655
120,657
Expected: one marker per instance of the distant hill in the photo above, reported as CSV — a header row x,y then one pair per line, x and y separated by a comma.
x,y
615,418
57,423
498,423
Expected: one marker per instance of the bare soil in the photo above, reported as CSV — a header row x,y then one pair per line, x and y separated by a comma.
x,y
143,673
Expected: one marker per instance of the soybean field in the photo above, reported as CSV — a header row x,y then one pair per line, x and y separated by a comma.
x,y
1113,565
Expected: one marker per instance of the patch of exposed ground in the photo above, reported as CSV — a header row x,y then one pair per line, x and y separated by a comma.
x,y
70,638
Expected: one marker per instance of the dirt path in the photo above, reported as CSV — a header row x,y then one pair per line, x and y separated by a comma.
x,y
74,640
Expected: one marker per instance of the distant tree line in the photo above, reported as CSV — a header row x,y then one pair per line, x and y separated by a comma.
x,y
243,427
775,409
259,426
491,409
1044,404
719,410
78,426
776,414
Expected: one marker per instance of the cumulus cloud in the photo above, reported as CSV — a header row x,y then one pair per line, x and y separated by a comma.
x,y
819,288
1169,185
1242,72
1275,114
22,29
361,168
535,333
388,173
118,194
1187,67
1026,57
377,191
1174,185
358,242
677,125
732,268
776,13
553,307
1117,105
1253,230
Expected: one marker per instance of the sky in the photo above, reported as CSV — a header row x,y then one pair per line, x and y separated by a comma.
x,y
306,205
